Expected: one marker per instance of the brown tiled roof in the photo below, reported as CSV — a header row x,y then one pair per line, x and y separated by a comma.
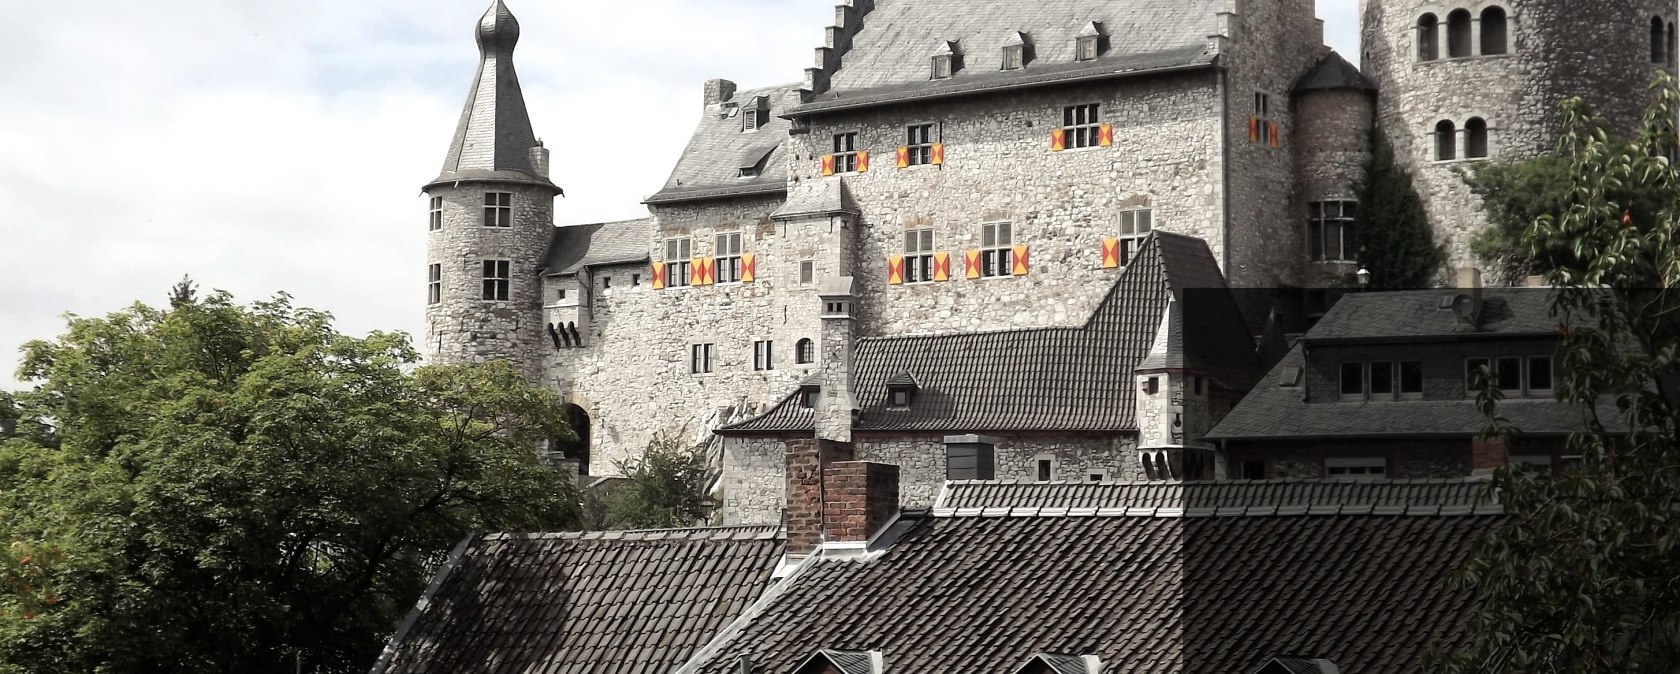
x,y
1144,593
1049,379
623,602
1253,496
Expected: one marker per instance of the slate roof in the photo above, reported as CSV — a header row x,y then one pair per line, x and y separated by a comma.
x,y
623,602
573,247
1411,314
1333,72
493,139
709,167
816,197
1144,593
890,56
1248,496
1044,379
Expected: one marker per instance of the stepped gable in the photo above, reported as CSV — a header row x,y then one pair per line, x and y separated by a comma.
x,y
1044,379
575,247
710,166
623,601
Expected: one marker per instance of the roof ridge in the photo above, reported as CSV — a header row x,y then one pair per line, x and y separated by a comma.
x,y
759,531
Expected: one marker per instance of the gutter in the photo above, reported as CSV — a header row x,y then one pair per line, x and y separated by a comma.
x,y
708,193
1425,339
876,100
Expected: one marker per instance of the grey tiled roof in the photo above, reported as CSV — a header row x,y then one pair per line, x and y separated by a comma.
x,y
574,247
890,58
1145,594
1420,313
1063,664
817,197
493,139
1245,495
623,602
710,165
1074,378
1274,411
1334,72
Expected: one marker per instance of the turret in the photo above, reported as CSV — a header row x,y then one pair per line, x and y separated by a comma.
x,y
490,218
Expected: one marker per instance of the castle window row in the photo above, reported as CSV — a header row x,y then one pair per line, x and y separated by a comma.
x,y
1474,139
947,60
1466,35
1663,45
1081,126
702,356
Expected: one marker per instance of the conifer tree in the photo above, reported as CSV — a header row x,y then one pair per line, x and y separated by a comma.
x,y
1397,244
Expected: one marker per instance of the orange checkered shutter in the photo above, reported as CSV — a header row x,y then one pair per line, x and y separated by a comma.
x,y
749,267
971,264
658,275
938,154
1022,265
941,266
895,270
1058,140
828,165
1110,252
863,161
1254,129
904,157
1105,135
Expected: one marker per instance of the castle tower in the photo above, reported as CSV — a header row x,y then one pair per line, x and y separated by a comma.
x,y
1461,82
491,215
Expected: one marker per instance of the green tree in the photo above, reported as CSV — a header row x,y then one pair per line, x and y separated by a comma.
x,y
669,485
1587,576
223,488
1396,243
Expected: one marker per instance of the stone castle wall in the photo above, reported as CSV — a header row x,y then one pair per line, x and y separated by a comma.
x,y
1332,146
463,327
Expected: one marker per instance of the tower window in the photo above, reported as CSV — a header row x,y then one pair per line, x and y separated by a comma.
x,y
1428,37
498,209
919,142
1458,33
1135,226
1446,141
435,215
700,358
1081,125
918,255
677,252
764,355
434,283
807,272
728,254
997,250
1476,138
1659,41
805,352
1495,32
1330,231
845,152
497,277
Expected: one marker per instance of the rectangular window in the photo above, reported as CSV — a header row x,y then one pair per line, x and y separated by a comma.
x,y
1252,470
1135,226
728,253
1014,57
1411,379
1262,118
498,209
497,275
1200,385
1471,366
606,283
918,255
1508,373
435,215
1382,379
763,355
1330,231
700,358
1356,469
807,272
942,66
1045,470
754,119
635,280
677,254
997,250
1153,386
1539,375
1096,475
899,398
1353,381
434,283
1085,48
1081,125
920,143
845,152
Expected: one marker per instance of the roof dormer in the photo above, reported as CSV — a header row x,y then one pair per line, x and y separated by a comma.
x,y
947,60
1056,663
901,390
1017,51
1090,43
755,113
843,662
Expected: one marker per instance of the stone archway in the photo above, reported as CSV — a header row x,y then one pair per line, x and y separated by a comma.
x,y
575,450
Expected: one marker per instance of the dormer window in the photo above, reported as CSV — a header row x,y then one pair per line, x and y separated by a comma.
x,y
808,398
1015,51
1088,44
901,390
946,61
755,114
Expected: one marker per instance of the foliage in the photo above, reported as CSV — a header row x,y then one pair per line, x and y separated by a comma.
x,y
222,488
668,486
1585,578
1396,243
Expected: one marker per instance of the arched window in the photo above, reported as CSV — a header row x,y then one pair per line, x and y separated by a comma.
x,y
1475,138
1458,33
1429,36
1495,35
804,352
1659,41
1446,141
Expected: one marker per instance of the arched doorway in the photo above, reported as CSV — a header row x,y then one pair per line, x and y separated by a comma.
x,y
577,449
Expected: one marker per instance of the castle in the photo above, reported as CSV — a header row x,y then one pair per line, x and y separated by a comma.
x,y
992,241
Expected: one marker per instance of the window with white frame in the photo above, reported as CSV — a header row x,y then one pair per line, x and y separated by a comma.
x,y
498,209
1263,114
1356,468
700,358
1086,47
677,254
1512,375
845,152
1381,380
728,253
434,283
1135,226
1330,231
435,215
807,272
919,143
997,250
918,255
1014,57
764,355
1411,379
1081,125
497,277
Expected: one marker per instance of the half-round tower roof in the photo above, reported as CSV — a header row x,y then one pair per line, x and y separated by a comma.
x,y
498,31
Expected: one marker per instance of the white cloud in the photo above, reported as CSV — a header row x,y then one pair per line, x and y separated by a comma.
x,y
264,146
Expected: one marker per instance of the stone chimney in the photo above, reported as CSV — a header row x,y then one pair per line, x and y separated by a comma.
x,y
808,459
837,406
970,457
860,499
718,91
540,159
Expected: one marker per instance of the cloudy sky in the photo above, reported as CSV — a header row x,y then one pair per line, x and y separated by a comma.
x,y
262,146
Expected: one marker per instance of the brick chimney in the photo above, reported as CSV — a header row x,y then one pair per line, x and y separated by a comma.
x,y
718,91
807,461
860,499
1487,456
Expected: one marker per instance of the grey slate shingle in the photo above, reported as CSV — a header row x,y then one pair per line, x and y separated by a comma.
x,y
1334,72
573,247
1407,314
710,166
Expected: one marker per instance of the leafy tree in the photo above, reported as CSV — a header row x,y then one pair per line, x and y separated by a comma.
x,y
1396,243
669,485
1587,576
222,488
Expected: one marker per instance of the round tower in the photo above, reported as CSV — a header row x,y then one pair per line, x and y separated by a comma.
x,y
490,219
1334,109
1466,81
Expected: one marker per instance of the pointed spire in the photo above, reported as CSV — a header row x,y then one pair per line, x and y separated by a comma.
x,y
494,140
1167,351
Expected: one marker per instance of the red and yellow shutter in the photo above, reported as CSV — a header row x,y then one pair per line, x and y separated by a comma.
x,y
971,264
904,157
938,154
1110,252
697,272
1274,133
1021,262
1058,140
1105,135
941,266
828,165
895,270
658,275
1254,129
711,271
749,267
863,161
